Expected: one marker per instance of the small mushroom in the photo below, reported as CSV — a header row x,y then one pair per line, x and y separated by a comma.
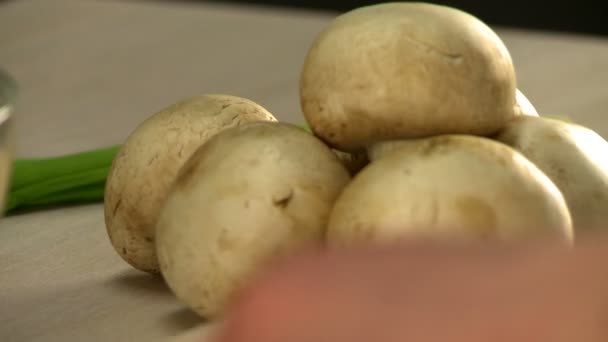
x,y
524,106
251,193
574,157
406,70
149,160
450,187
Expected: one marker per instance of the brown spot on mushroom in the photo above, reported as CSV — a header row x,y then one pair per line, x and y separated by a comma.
x,y
282,203
151,161
451,57
205,293
225,243
253,162
116,207
362,232
478,215
186,176
434,215
598,195
553,136
124,251
283,200
234,120
434,145
149,239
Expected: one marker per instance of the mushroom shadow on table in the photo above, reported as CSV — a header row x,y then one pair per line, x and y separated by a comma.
x,y
133,280
181,320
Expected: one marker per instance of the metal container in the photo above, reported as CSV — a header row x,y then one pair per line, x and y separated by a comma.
x,y
8,94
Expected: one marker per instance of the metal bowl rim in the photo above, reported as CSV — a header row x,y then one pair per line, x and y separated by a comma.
x,y
8,95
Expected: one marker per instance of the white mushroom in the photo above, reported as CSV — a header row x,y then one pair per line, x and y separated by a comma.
x,y
406,70
452,186
249,194
149,160
574,157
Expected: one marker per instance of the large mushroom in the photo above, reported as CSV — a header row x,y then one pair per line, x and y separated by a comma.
x,y
406,70
149,161
574,157
251,193
450,187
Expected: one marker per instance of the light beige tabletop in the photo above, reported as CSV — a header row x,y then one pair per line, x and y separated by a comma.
x,y
90,71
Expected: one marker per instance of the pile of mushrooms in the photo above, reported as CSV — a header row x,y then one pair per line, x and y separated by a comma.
x,y
417,130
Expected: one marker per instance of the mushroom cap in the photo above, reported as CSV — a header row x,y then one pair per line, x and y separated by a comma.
x,y
452,186
574,157
249,194
406,70
149,160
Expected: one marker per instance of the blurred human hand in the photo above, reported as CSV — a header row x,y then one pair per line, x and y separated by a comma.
x,y
429,292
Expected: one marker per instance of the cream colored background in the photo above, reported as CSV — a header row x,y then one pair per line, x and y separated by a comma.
x,y
90,71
